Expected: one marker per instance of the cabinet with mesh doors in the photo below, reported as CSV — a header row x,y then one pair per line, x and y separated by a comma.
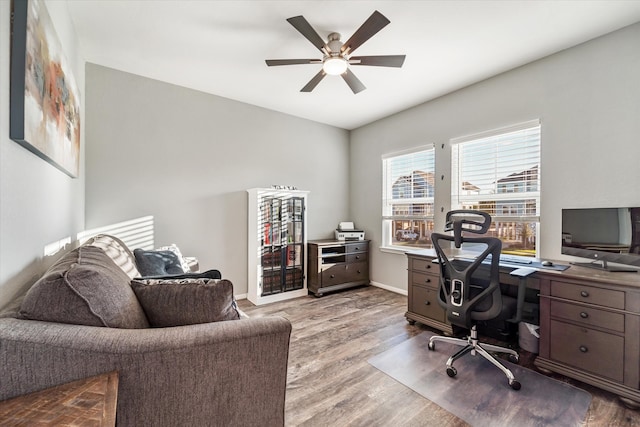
x,y
276,244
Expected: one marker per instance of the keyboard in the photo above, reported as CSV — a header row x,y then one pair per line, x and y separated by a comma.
x,y
514,260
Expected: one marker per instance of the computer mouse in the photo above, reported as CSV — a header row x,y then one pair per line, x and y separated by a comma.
x,y
546,263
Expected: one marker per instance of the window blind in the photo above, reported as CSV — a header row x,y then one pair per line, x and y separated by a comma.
x,y
409,184
499,172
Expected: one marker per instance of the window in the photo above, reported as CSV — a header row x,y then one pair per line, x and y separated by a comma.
x,y
499,172
407,198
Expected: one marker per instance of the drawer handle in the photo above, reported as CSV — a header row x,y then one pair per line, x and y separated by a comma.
x,y
427,281
584,315
428,266
333,276
427,303
359,271
583,349
357,249
584,294
357,256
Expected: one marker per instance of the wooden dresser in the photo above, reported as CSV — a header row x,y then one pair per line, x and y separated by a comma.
x,y
337,264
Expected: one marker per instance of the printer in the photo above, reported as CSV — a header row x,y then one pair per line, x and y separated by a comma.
x,y
347,231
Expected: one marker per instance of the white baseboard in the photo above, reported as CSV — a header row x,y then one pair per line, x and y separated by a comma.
x,y
376,284
390,288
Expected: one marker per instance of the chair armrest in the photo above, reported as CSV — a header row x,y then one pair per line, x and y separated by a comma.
x,y
233,371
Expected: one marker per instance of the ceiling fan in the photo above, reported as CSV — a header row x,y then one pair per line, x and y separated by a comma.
x,y
337,58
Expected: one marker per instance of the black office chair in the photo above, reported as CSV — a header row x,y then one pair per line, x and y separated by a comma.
x,y
470,290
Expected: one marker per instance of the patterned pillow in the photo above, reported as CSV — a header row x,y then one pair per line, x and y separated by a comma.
x,y
157,263
183,261
177,302
84,287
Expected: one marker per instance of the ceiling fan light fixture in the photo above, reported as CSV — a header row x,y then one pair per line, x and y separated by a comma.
x,y
335,65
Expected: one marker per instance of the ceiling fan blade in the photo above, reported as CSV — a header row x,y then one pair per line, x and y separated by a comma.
x,y
275,62
314,81
371,26
303,26
354,83
378,61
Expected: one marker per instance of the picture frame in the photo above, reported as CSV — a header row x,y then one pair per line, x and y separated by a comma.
x,y
44,98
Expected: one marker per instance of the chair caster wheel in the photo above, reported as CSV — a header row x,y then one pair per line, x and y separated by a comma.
x,y
513,359
432,346
452,372
515,384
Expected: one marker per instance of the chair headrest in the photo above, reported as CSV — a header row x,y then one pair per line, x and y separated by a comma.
x,y
471,221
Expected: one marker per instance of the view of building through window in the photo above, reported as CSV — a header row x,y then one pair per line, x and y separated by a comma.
x,y
497,172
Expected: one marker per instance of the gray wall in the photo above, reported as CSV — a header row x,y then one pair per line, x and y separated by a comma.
x,y
187,158
38,203
588,101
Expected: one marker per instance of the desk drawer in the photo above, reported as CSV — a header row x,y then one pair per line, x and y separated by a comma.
x,y
588,294
424,265
423,279
424,301
588,316
587,349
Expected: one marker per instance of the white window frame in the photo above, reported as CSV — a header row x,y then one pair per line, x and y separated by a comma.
x,y
388,218
527,157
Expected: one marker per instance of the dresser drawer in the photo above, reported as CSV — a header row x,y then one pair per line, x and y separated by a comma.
x,y
357,257
344,273
357,247
424,301
587,349
424,265
588,316
588,294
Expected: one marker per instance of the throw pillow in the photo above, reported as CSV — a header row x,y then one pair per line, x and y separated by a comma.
x,y
185,301
174,248
85,287
157,263
117,251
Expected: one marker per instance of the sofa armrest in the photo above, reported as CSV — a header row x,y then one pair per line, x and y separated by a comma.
x,y
223,373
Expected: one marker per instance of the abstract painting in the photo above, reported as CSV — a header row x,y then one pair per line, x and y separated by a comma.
x,y
45,102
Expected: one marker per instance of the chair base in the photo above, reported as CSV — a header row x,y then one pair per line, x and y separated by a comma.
x,y
471,345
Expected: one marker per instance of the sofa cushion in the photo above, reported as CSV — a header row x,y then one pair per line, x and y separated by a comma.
x,y
117,251
177,302
157,263
85,287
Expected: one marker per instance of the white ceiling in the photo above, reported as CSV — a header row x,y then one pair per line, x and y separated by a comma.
x,y
219,47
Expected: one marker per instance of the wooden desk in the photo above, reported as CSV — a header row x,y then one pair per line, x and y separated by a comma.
x,y
589,320
87,402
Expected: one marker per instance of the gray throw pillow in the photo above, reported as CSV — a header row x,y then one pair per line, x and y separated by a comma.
x,y
177,302
85,287
157,263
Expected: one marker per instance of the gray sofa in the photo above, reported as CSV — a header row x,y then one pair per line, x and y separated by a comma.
x,y
83,318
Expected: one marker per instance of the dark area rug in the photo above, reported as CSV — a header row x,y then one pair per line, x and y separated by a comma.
x,y
479,394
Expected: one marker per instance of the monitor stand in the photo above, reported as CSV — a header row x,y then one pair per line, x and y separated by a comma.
x,y
605,267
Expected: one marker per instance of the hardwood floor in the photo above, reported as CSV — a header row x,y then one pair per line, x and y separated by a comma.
x,y
330,382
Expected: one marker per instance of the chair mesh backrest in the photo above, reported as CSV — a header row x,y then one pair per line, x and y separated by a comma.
x,y
478,282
